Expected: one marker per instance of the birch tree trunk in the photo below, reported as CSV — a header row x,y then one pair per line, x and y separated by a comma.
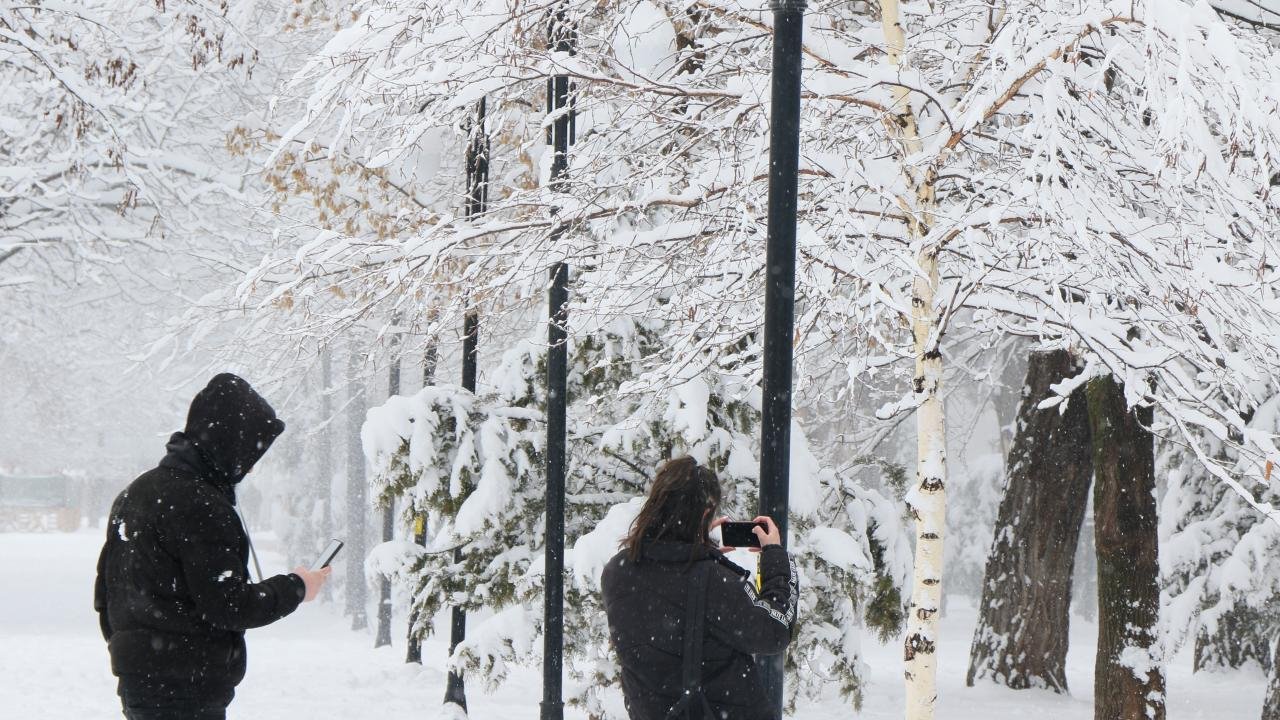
x,y
1024,616
927,501
1128,672
927,498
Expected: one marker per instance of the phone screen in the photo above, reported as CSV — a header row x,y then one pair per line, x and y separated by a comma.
x,y
326,557
738,534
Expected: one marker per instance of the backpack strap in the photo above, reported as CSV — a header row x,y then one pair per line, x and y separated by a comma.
x,y
694,631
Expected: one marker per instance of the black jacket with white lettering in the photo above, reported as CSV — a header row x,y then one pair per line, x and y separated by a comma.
x,y
173,592
645,604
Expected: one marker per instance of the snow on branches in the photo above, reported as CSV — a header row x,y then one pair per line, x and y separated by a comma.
x,y
1100,175
108,112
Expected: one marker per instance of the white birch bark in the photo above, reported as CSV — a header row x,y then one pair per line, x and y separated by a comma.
x,y
927,498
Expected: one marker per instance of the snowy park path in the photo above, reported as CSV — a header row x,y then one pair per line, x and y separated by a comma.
x,y
53,663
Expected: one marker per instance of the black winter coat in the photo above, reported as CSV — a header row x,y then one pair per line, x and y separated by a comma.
x,y
645,603
173,593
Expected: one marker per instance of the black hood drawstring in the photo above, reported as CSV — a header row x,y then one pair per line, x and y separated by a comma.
x,y
248,536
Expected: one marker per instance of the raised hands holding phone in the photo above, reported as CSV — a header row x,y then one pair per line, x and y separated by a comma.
x,y
754,535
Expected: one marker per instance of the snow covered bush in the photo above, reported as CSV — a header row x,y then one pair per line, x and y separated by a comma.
x,y
1217,558
473,463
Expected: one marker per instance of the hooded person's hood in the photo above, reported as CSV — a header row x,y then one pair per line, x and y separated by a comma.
x,y
229,428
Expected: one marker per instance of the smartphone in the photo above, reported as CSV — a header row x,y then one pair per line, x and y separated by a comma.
x,y
326,557
738,534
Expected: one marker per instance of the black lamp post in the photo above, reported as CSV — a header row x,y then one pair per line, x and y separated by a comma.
x,y
477,200
780,284
561,37
455,690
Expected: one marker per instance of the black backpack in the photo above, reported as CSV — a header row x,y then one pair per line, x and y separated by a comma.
x,y
687,707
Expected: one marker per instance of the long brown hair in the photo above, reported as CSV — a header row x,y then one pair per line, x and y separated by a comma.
x,y
681,504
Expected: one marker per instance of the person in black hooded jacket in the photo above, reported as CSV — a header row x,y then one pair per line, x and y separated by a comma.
x,y
173,592
687,623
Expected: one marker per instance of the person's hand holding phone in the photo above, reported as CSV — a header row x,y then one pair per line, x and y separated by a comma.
x,y
715,524
314,577
769,535
313,580
752,535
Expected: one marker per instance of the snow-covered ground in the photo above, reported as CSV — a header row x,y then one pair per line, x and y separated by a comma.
x,y
53,663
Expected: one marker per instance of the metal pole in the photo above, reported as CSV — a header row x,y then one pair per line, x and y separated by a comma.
x,y
477,200
780,284
455,691
558,102
388,510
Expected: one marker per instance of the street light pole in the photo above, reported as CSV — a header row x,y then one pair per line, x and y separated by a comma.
x,y
561,36
477,201
780,285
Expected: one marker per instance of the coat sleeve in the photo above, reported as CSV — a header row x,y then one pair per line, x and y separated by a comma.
x,y
751,621
100,593
207,539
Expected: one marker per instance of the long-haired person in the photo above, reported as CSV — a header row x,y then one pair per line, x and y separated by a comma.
x,y
686,622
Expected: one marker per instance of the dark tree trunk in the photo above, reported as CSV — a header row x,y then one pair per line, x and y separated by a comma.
x,y
1242,635
413,652
357,502
1271,705
1021,638
325,482
326,445
383,636
1128,680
